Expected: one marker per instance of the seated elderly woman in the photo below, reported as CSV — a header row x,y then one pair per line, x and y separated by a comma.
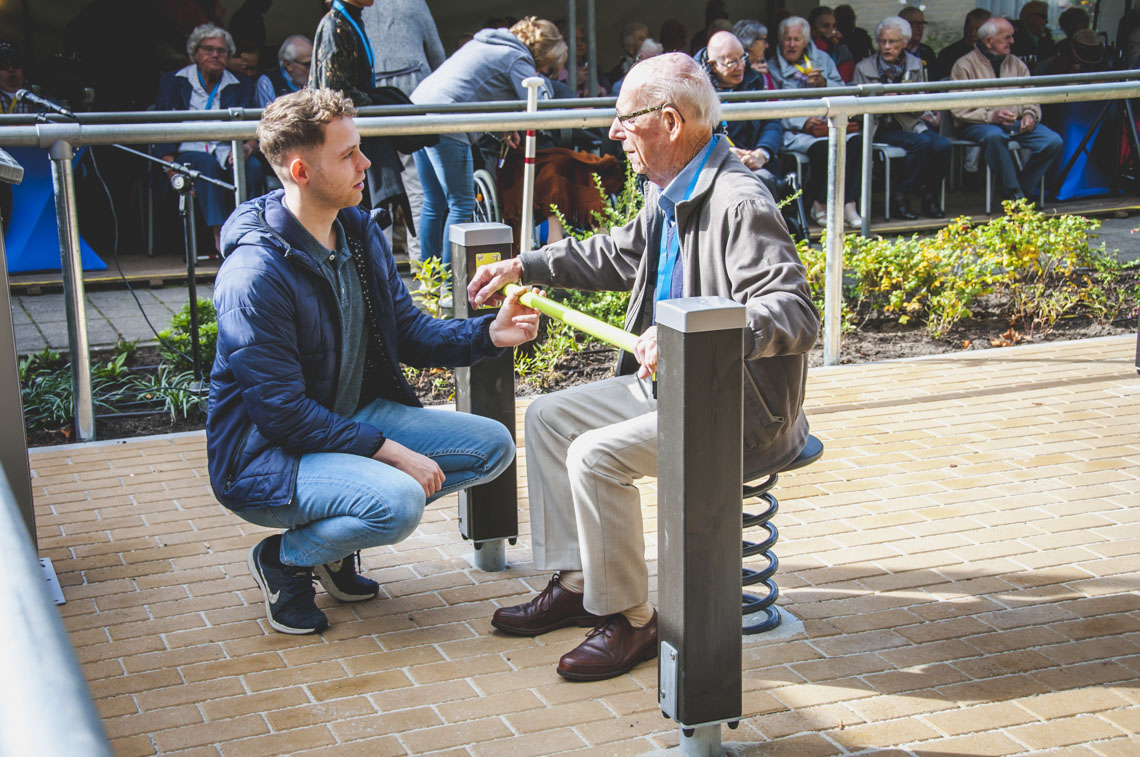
x,y
800,64
927,151
206,85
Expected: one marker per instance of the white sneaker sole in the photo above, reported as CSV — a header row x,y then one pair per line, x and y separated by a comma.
x,y
329,586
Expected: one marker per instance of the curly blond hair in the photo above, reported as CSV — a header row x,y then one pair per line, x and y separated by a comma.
x,y
544,41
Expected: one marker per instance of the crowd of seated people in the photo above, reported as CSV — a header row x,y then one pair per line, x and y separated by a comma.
x,y
827,48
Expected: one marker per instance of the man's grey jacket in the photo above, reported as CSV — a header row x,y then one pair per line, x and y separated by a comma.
x,y
733,244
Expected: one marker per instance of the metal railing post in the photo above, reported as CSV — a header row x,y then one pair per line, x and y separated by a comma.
x,y
488,513
572,46
868,164
526,223
838,114
699,469
63,183
238,155
14,444
47,708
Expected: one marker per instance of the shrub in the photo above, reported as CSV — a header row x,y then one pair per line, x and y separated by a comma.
x,y
174,343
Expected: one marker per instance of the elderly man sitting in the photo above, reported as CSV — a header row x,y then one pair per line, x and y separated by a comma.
x,y
755,142
800,64
293,60
927,151
994,126
709,227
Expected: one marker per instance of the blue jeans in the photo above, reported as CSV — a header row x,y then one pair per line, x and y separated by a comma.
x,y
446,173
1042,142
926,161
344,502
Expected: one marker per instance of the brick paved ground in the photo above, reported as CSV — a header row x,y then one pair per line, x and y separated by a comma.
x,y
964,557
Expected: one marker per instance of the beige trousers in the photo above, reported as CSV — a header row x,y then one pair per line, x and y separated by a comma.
x,y
585,447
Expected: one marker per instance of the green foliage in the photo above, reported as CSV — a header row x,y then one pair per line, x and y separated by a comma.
x,y
434,284
616,211
540,367
174,343
1033,268
169,389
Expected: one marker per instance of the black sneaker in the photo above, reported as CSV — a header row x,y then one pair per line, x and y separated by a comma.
x,y
288,590
343,582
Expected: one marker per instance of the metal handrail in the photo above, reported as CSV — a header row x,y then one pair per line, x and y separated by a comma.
x,y
836,109
45,705
503,106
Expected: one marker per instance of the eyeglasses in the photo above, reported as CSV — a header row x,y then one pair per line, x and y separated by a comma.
x,y
305,63
625,118
727,63
222,52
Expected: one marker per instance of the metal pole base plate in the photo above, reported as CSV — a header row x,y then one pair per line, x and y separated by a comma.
x,y
491,555
702,741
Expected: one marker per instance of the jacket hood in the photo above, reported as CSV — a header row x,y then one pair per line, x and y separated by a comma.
x,y
500,37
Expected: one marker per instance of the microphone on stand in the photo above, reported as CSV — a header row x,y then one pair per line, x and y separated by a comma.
x,y
26,95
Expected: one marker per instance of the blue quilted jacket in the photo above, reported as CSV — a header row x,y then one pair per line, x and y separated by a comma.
x,y
274,379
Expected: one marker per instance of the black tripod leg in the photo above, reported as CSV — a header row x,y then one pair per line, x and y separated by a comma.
x,y
1089,133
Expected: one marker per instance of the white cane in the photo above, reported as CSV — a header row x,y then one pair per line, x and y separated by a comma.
x,y
526,226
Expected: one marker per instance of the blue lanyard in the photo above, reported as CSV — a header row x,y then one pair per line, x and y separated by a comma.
x,y
668,252
339,6
288,80
214,91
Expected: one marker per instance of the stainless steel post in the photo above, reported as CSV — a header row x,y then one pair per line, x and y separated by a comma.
x,y
833,288
591,48
13,444
239,171
572,45
865,197
526,223
63,183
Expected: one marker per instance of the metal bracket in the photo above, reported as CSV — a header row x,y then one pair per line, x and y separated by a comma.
x,y
52,582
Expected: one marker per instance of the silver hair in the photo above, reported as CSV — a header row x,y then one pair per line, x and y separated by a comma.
x,y
650,48
684,84
799,21
990,27
287,53
899,24
748,31
204,32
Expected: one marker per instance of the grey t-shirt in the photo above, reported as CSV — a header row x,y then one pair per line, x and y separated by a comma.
x,y
337,267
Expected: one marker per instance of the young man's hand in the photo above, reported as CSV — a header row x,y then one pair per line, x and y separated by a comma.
x,y
423,469
489,279
514,324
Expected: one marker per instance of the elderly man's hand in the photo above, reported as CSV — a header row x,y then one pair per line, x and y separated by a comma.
x,y
1028,121
489,279
1003,117
645,350
816,126
515,323
816,79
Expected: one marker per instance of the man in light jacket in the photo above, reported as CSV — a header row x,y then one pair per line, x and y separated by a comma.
x,y
994,126
709,227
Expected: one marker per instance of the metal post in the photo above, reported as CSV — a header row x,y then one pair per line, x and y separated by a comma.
x,y
865,199
238,154
591,49
13,444
488,513
63,183
572,45
700,374
47,708
526,224
833,288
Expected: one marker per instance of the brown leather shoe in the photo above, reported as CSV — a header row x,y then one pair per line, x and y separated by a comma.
x,y
614,647
554,607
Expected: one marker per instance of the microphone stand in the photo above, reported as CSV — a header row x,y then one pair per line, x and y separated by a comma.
x,y
182,182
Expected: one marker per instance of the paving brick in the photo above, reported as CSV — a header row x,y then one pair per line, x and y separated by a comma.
x,y
280,743
210,733
159,698
1049,707
403,721
883,734
469,733
221,708
1064,731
